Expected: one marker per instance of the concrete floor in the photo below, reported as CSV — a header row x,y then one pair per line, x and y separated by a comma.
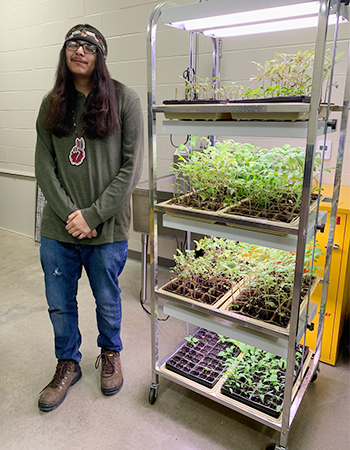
x,y
179,420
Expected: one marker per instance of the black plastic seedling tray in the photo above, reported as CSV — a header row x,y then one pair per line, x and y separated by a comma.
x,y
200,362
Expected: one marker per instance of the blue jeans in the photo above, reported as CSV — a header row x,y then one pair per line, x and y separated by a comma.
x,y
62,264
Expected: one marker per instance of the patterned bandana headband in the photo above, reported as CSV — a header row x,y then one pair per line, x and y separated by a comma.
x,y
88,36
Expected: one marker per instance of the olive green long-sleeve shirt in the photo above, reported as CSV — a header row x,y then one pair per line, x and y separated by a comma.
x,y
98,180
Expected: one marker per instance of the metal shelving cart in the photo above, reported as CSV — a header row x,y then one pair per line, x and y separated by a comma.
x,y
290,238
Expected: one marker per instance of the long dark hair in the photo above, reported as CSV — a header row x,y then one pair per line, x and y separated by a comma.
x,y
101,114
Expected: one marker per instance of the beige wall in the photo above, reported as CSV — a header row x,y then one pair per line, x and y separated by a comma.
x,y
31,36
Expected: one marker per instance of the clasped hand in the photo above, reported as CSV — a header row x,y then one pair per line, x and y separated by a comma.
x,y
77,226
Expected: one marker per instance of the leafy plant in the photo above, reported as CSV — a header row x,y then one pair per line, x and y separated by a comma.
x,y
286,74
327,72
258,375
223,261
229,172
270,273
271,280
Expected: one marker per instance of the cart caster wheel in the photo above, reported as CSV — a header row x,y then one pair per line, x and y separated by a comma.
x,y
314,376
271,447
153,394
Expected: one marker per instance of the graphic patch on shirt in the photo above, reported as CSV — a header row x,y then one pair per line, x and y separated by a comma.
x,y
77,154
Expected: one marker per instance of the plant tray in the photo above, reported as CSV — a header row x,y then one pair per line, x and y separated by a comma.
x,y
199,363
250,399
177,210
285,99
226,310
207,116
212,216
231,211
210,101
251,112
271,109
199,114
212,303
249,402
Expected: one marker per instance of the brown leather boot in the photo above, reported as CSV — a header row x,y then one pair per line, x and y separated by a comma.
x,y
67,373
111,371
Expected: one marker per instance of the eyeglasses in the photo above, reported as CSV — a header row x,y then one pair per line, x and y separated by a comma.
x,y
74,45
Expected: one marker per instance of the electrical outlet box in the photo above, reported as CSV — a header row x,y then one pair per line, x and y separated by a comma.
x,y
327,150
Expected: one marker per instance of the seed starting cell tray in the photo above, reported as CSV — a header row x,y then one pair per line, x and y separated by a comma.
x,y
203,296
199,362
271,403
178,210
248,399
227,308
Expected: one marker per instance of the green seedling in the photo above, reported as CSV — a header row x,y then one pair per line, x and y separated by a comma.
x,y
229,172
192,340
224,263
286,74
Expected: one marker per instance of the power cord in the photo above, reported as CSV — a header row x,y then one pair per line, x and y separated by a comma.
x,y
181,247
148,312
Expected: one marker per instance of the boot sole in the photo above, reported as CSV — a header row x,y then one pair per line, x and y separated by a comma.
x,y
112,391
46,407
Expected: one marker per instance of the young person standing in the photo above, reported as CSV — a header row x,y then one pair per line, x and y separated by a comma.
x,y
88,161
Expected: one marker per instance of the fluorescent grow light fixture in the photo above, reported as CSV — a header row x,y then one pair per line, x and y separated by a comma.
x,y
269,27
218,19
259,15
